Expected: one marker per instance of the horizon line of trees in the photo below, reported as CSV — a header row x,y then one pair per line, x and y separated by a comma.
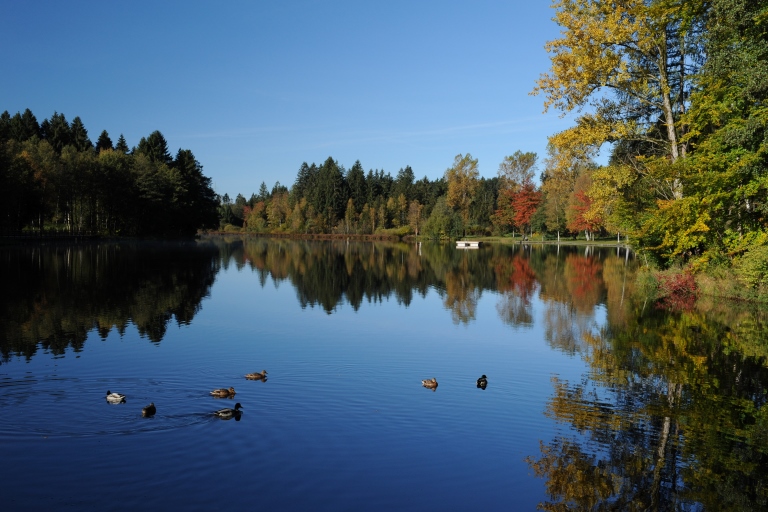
x,y
53,179
327,198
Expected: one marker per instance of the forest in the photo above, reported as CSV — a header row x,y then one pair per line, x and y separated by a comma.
x,y
54,181
674,93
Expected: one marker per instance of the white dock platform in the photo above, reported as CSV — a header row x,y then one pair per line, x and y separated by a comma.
x,y
468,244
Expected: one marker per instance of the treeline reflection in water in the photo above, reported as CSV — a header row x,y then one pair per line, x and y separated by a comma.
x,y
671,413
55,294
327,274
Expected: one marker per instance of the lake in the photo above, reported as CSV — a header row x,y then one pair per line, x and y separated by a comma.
x,y
596,398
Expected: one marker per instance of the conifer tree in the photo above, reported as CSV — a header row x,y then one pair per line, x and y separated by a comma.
x,y
104,142
122,145
80,135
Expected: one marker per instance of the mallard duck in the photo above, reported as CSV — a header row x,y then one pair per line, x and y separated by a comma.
x,y
482,382
115,398
223,392
430,383
229,413
149,410
257,376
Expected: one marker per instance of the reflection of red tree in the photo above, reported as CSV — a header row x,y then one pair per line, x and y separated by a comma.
x,y
585,283
516,283
516,276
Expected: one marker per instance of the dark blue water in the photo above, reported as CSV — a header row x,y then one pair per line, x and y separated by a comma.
x,y
342,422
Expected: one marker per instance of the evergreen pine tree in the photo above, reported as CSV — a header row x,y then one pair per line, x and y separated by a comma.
x,y
24,126
80,135
59,133
5,126
155,147
104,142
121,145
358,188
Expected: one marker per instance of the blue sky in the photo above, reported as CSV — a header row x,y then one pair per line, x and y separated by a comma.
x,y
256,88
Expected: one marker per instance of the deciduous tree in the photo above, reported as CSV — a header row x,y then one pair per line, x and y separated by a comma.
x,y
525,202
462,184
630,65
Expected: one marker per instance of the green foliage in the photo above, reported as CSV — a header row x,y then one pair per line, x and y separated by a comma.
x,y
752,267
443,222
646,286
399,231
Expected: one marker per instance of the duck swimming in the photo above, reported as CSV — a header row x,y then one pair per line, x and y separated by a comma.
x,y
149,410
223,393
482,382
227,413
430,383
257,376
115,398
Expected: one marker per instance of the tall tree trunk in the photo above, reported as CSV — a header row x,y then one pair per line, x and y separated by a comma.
x,y
669,114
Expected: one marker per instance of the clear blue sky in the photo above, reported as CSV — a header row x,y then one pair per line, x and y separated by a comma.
x,y
256,88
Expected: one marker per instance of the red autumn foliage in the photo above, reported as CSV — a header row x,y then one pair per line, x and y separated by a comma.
x,y
580,206
677,292
524,203
516,276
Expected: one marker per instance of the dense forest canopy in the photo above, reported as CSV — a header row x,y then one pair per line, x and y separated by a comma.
x,y
53,179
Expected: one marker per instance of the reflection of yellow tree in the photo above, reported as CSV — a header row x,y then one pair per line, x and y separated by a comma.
x,y
573,474
669,418
461,294
620,286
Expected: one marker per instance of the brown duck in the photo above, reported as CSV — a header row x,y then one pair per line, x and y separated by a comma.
x,y
430,383
223,392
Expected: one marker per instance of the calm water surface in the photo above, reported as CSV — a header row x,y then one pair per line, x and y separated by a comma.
x,y
596,399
